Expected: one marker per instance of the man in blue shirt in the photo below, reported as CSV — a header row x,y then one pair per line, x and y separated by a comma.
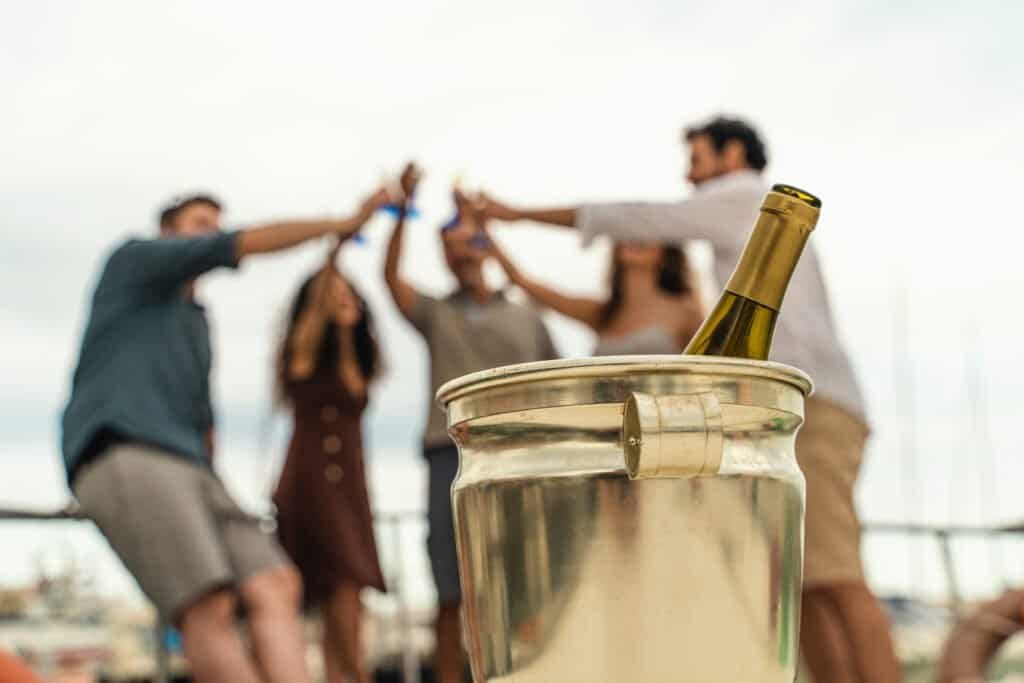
x,y
138,445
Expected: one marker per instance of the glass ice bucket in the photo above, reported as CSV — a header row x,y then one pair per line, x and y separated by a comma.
x,y
630,519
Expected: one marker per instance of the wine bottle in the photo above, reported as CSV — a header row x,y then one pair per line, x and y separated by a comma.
x,y
742,322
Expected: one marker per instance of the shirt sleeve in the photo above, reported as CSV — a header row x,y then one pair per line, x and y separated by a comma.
x,y
423,313
170,262
719,219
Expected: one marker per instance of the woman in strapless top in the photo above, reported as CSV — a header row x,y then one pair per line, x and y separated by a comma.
x,y
652,308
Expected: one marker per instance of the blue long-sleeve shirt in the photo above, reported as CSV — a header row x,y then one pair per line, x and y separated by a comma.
x,y
144,364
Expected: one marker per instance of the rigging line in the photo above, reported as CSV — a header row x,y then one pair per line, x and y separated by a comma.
x,y
981,440
903,373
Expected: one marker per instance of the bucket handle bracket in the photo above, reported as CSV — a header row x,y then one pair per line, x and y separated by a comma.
x,y
671,437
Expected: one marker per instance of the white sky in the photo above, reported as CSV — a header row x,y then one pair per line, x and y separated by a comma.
x,y
906,121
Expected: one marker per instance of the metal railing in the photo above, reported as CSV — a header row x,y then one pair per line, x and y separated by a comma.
x,y
392,522
943,536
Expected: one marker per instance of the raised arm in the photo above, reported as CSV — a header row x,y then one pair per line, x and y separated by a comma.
x,y
309,328
564,217
283,235
348,365
170,262
723,220
586,311
404,295
719,218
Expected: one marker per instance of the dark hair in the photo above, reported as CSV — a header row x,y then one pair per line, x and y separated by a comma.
x,y
673,279
169,213
723,130
367,349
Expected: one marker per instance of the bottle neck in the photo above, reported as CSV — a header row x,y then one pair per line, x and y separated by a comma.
x,y
771,254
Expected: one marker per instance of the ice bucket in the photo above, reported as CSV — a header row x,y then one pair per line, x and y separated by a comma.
x,y
630,519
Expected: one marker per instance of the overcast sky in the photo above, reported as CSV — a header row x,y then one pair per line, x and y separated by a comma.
x,y
905,120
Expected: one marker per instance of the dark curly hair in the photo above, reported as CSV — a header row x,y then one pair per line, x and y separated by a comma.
x,y
722,130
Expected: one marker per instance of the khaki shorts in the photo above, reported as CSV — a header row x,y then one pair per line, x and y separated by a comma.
x,y
829,450
173,525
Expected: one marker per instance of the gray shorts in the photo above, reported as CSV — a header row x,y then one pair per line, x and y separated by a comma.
x,y
173,525
443,465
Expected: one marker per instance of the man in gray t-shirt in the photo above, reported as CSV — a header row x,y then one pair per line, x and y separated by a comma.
x,y
472,329
138,444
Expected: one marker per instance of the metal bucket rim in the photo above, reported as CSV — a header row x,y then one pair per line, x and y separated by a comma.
x,y
617,366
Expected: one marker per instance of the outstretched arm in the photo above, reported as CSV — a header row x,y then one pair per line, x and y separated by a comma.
x,y
170,262
586,311
402,292
564,217
721,218
278,236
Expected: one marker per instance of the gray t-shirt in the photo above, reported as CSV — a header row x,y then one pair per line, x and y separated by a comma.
x,y
465,336
144,365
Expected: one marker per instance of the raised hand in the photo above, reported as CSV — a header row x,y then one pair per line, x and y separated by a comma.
x,y
409,179
379,198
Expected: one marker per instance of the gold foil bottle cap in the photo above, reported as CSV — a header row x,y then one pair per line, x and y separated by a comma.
x,y
796,192
788,215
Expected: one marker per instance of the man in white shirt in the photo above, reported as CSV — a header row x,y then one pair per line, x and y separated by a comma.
x,y
845,637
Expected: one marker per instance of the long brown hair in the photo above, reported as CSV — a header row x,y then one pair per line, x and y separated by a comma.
x,y
327,354
673,279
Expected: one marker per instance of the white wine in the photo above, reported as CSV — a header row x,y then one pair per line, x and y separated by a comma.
x,y
742,322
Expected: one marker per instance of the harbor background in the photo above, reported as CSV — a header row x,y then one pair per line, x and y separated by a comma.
x,y
903,119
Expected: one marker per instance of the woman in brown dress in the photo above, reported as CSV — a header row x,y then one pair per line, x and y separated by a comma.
x,y
327,359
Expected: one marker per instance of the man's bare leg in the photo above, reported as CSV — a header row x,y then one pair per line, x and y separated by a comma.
x,y
868,633
449,666
822,640
211,642
864,651
272,600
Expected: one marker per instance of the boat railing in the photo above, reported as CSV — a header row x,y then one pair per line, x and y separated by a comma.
x,y
391,525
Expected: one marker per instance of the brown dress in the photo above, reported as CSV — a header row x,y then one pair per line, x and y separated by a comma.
x,y
324,518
